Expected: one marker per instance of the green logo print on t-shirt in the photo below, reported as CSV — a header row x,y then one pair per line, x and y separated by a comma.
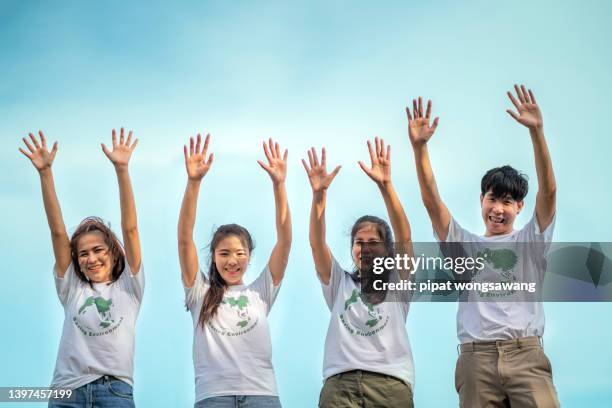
x,y
360,317
96,311
502,261
242,321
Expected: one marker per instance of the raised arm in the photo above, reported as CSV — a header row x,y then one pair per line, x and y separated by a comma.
x,y
380,173
529,115
277,170
419,132
42,160
319,181
120,158
197,166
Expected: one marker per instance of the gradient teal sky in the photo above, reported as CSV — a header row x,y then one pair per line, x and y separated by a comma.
x,y
309,74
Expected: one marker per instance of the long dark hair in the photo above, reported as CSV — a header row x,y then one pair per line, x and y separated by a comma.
x,y
215,293
115,249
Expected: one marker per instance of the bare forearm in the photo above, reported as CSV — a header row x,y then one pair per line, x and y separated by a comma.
x,y
59,236
187,215
317,220
397,215
283,216
129,221
543,163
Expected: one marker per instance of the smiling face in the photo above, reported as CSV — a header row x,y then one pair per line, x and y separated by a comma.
x,y
94,257
232,259
367,233
499,213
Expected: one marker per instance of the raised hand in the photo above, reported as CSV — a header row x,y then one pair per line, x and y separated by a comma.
x,y
419,129
122,151
277,165
380,159
529,114
318,176
40,157
195,159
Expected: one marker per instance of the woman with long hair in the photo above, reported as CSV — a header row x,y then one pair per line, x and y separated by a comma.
x,y
368,360
99,283
231,343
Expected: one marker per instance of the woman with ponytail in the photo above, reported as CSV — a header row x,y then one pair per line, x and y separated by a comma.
x,y
231,344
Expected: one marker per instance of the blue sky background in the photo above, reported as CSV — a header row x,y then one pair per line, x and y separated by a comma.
x,y
309,74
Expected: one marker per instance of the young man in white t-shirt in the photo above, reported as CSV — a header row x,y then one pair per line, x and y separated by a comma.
x,y
502,362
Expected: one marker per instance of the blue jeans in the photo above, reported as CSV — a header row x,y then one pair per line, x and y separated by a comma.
x,y
105,392
240,401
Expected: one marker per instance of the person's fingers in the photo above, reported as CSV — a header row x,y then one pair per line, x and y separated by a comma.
x,y
29,156
420,106
34,141
264,166
532,97
511,113
271,147
428,113
129,138
121,137
382,148
211,158
105,150
323,157
525,94
519,94
315,158
408,114
206,142
310,158
28,145
388,152
334,173
185,153
305,167
364,167
267,152
134,145
435,124
285,155
415,109
513,100
43,140
191,145
53,151
198,143
372,157
277,149
114,138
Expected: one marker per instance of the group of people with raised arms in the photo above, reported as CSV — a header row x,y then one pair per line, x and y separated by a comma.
x,y
368,358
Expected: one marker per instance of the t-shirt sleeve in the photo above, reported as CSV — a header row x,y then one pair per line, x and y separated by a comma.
x,y
264,286
331,290
456,233
196,292
66,286
535,234
134,283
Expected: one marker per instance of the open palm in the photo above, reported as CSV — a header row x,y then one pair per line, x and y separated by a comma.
x,y
529,114
419,129
195,158
380,170
122,151
277,165
318,176
40,157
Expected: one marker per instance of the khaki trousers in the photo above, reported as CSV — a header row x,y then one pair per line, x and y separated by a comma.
x,y
365,389
510,373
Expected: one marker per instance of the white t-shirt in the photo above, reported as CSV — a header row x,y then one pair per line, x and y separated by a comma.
x,y
364,336
99,328
480,319
232,355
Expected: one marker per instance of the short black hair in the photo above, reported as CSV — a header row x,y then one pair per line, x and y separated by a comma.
x,y
503,181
